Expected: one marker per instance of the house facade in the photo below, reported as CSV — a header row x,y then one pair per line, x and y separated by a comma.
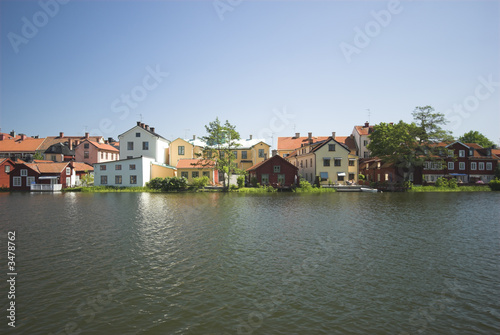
x,y
329,161
467,162
361,136
142,140
59,152
6,166
194,168
24,175
275,171
91,152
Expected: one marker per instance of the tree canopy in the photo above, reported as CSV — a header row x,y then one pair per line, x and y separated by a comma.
x,y
221,141
476,137
430,124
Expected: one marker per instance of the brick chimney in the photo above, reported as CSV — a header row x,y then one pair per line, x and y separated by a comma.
x,y
23,137
13,133
61,134
139,123
152,129
274,152
70,144
333,134
367,124
309,138
146,127
3,137
297,135
251,136
142,125
87,136
194,137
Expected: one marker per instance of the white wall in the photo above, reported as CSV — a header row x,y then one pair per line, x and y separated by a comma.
x,y
142,171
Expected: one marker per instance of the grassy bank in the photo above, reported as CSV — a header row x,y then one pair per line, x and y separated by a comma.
x,y
431,188
109,189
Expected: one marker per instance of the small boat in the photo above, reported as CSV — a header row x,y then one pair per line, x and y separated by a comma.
x,y
367,189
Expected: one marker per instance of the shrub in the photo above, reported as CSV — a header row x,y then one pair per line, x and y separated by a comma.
x,y
452,183
240,181
155,184
167,184
233,187
253,181
441,182
305,184
361,176
200,182
495,184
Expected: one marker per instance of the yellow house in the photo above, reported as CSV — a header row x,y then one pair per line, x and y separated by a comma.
x,y
194,168
329,161
248,152
162,171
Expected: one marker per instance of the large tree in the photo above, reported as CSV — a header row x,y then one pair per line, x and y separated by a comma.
x,y
430,123
220,142
476,137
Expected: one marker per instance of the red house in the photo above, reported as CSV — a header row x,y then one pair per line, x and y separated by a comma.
x,y
6,165
49,176
275,171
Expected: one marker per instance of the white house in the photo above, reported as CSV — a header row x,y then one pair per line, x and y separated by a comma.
x,y
123,173
141,140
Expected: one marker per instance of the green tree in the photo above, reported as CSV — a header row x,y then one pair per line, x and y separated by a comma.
x,y
476,137
38,155
430,124
87,179
220,142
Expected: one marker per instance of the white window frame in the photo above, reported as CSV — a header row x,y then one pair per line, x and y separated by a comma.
x,y
461,165
17,182
461,153
481,165
489,166
29,180
68,181
473,165
68,171
24,172
451,165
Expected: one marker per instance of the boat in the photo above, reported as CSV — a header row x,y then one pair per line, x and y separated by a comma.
x,y
367,189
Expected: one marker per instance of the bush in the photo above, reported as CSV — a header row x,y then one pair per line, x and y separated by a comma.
x,y
200,182
270,189
167,184
361,177
305,184
253,181
441,182
452,183
233,187
494,184
240,181
155,184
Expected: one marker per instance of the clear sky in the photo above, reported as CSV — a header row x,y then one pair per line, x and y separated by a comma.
x,y
272,68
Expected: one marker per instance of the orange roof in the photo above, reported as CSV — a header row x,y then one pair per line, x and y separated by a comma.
x,y
47,167
42,161
27,145
78,166
51,140
9,137
195,163
291,143
103,146
362,130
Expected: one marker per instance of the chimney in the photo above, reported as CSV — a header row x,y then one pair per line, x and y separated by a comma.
x,y
274,152
309,136
87,136
142,125
146,127
333,134
139,123
251,136
13,133
61,134
2,137
297,135
70,144
367,124
110,139
23,136
152,129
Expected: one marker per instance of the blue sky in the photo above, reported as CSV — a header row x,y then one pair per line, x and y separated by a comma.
x,y
272,68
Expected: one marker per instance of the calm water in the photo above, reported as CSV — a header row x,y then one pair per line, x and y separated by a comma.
x,y
350,263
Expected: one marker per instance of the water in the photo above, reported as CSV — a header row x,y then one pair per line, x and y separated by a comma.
x,y
343,263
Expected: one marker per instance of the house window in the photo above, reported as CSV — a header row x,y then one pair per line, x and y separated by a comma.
x,y
326,161
261,153
195,174
7,168
137,134
481,165
331,147
340,178
338,162
471,152
461,165
133,179
131,167
351,176
118,180
277,169
145,145
102,155
86,146
311,161
489,166
30,180
68,181
451,166
86,154
16,181
286,155
264,178
24,172
68,171
184,174
235,153
473,166
301,164
281,179
106,155
129,157
102,167
243,155
104,180
323,176
53,158
365,143
461,153
118,167
130,145
180,150
206,174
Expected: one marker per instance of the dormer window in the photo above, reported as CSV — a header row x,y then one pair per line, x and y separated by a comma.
x,y
471,152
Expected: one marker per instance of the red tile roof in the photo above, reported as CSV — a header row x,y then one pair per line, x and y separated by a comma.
x,y
51,140
47,167
27,145
195,164
78,166
103,146
291,143
362,130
